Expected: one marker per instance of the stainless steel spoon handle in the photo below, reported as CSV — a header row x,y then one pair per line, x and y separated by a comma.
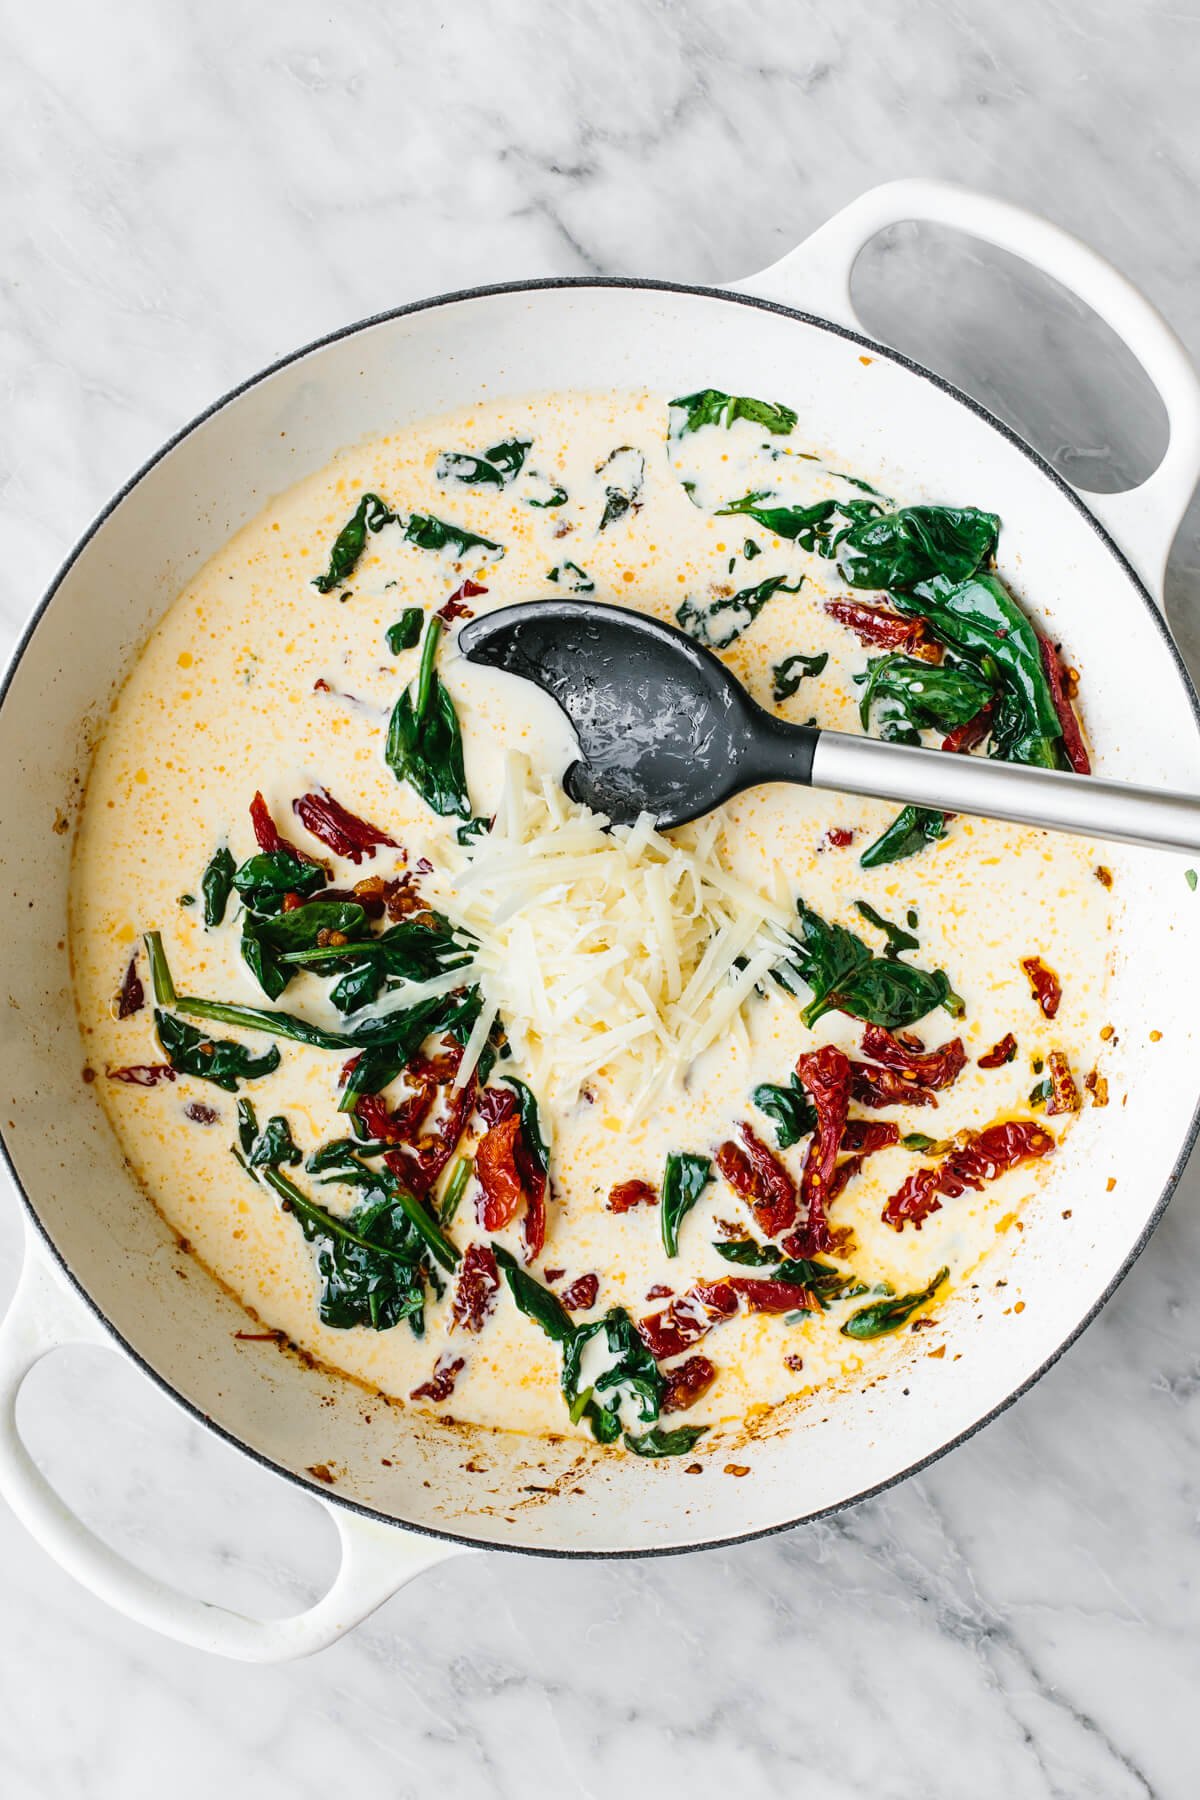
x,y
999,790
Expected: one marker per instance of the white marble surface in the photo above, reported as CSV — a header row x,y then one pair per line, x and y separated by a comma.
x,y
189,191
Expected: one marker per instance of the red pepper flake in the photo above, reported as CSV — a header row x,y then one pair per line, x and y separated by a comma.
x,y
581,1294
660,1290
553,1275
628,1194
440,1385
825,1073
761,1180
836,838
687,1319
132,996
891,630
1103,875
686,1383
322,1472
340,831
201,1114
1047,989
984,1158
1000,1053
1064,1095
932,1068
142,1074
1073,744
475,1291
794,1363
266,833
454,608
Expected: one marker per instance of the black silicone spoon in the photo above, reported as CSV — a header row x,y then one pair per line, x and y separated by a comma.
x,y
665,728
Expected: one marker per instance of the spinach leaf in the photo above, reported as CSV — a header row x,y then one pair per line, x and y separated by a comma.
x,y
424,741
908,833
531,1125
622,492
474,828
265,878
709,406
428,533
789,1109
902,549
788,674
980,619
822,1279
267,941
685,1180
271,1148
218,1060
339,1153
534,1300
400,1033
809,526
369,515
750,550
888,1315
410,950
659,1442
908,696
572,577
216,885
735,612
845,976
358,987
632,1374
918,1140
898,940
554,494
748,1253
406,632
494,468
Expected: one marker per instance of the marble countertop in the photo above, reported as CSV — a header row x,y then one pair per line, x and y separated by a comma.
x,y
191,191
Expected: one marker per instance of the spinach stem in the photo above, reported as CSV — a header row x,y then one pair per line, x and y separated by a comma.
x,y
433,631
455,1188
160,970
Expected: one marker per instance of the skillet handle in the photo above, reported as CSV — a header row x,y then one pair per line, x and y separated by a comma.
x,y
376,1559
816,277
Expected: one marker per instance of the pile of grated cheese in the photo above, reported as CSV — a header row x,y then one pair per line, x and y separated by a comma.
x,y
609,955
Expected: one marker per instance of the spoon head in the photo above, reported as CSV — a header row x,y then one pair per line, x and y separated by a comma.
x,y
662,725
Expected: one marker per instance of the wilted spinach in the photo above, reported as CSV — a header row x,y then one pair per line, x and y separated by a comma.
x,y
492,468
659,1442
626,468
898,940
789,1109
845,976
219,1060
722,620
900,550
685,1180
787,675
709,406
428,533
371,514
424,742
889,1314
406,632
216,885
909,832
570,576
906,696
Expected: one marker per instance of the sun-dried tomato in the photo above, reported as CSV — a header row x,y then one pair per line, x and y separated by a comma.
x,y
971,734
581,1294
686,1383
774,1296
398,1125
348,1067
267,835
341,831
1064,1095
142,1074
660,1291
495,1103
891,630
914,1200
836,838
932,1068
201,1114
1073,744
501,1189
685,1321
454,608
1000,1053
132,996
987,1156
873,1086
825,1073
760,1179
1047,989
420,1164
440,1385
866,1136
628,1194
476,1289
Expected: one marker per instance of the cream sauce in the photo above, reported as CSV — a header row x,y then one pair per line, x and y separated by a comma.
x,y
253,679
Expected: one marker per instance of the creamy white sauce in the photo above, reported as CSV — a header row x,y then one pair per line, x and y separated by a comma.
x,y
255,680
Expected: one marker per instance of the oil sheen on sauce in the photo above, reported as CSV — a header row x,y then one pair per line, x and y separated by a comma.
x,y
253,679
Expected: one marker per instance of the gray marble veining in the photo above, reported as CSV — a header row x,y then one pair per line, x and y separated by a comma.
x,y
191,191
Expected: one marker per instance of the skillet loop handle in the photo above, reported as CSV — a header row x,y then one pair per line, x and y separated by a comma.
x,y
376,1559
816,277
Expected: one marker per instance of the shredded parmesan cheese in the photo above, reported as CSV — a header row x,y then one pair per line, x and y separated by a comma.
x,y
611,956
